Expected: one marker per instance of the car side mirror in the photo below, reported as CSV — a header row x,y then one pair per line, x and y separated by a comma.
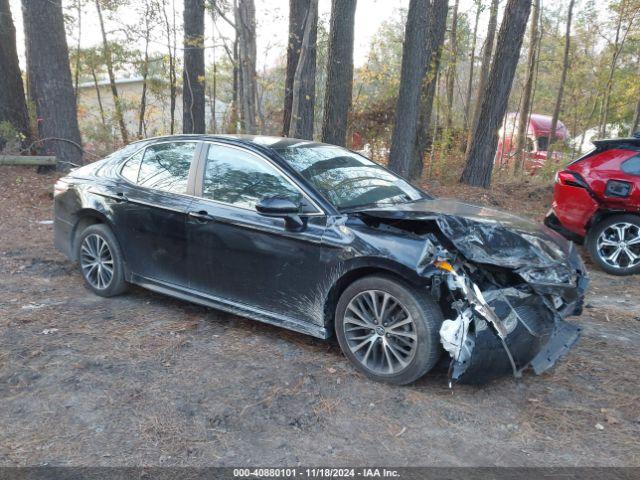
x,y
282,207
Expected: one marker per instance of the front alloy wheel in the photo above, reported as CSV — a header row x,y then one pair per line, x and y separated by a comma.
x,y
388,329
380,332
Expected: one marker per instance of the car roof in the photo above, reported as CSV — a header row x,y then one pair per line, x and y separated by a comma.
x,y
265,141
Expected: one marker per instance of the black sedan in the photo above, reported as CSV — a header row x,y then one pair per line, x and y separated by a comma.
x,y
319,239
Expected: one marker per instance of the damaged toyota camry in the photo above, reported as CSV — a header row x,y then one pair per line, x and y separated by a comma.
x,y
318,239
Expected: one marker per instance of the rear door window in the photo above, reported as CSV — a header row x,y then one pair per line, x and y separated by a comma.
x,y
165,166
631,165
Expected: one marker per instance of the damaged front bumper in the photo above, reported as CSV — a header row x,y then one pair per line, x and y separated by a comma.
x,y
506,330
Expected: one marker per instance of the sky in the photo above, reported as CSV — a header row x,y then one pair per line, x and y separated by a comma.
x,y
272,25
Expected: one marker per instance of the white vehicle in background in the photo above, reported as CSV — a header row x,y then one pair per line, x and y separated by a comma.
x,y
582,143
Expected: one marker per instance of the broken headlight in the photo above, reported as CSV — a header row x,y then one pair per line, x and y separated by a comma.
x,y
549,276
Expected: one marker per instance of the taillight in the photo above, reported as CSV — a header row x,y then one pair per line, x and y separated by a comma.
x,y
573,179
60,187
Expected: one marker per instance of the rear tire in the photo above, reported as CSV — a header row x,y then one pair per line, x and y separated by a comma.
x,y
614,244
388,329
100,260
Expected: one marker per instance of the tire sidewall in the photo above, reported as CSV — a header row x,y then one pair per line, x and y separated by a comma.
x,y
592,243
427,329
118,284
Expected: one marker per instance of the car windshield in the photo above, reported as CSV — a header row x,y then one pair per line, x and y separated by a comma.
x,y
348,180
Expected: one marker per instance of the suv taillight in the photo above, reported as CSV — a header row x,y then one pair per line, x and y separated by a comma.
x,y
573,179
60,187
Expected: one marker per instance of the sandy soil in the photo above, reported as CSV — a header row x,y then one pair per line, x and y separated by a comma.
x,y
146,380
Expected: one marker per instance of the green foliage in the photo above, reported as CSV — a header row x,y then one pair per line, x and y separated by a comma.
x,y
10,137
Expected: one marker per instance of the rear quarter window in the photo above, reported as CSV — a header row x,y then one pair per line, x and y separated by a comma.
x,y
131,167
631,165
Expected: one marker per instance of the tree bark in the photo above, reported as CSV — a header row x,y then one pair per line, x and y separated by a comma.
x,y
414,58
297,14
50,85
112,79
193,83
304,82
451,70
246,30
472,61
301,69
525,111
437,25
563,79
482,149
487,53
339,86
13,107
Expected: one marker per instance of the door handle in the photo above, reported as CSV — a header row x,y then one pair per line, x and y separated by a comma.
x,y
201,216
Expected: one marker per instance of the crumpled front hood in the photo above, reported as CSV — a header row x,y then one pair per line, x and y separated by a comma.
x,y
485,235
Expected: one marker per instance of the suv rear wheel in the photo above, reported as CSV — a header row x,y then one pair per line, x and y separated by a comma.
x,y
614,244
389,330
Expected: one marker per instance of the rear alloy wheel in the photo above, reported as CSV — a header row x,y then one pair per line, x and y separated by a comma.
x,y
388,330
101,261
614,244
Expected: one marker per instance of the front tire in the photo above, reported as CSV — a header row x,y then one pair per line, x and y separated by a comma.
x,y
101,262
388,330
614,244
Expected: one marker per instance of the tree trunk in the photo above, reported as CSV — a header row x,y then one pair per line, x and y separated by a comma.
x,y
525,111
435,32
339,86
617,48
235,94
98,95
145,75
563,79
297,14
481,151
472,62
76,75
451,70
50,85
13,108
636,120
171,46
487,52
193,87
246,29
414,58
112,79
304,83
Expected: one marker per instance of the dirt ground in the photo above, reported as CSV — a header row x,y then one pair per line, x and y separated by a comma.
x,y
142,379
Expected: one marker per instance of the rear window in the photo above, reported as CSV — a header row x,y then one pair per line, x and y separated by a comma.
x,y
631,165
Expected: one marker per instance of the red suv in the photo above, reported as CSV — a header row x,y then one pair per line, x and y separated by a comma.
x,y
596,200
